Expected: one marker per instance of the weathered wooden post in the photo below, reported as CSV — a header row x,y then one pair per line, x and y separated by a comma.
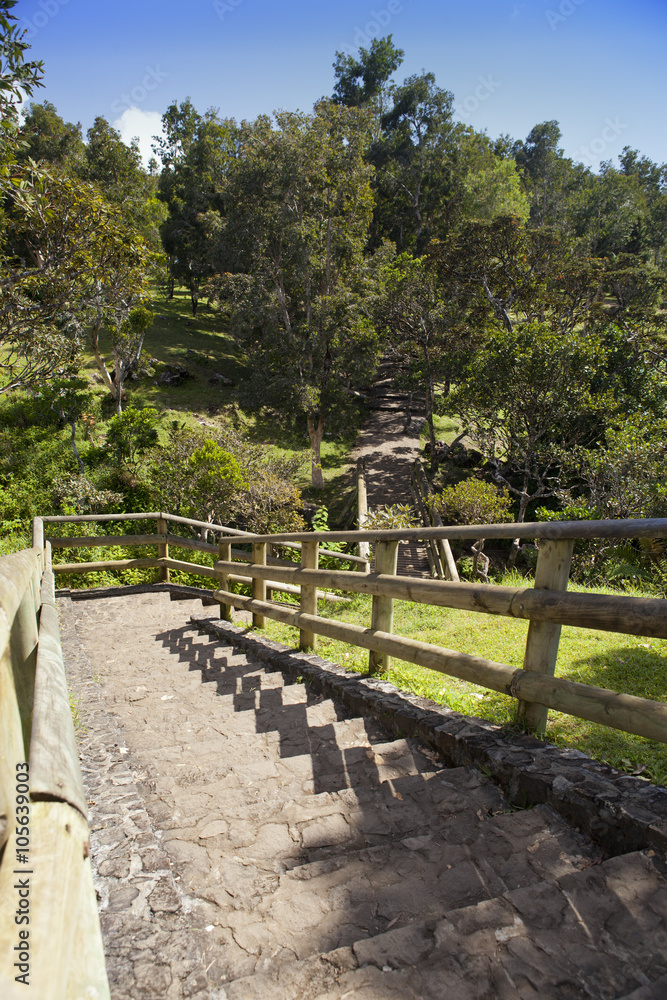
x,y
259,586
362,512
310,552
269,553
225,553
552,573
382,619
163,548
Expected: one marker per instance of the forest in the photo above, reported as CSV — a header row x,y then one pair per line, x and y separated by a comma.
x,y
200,335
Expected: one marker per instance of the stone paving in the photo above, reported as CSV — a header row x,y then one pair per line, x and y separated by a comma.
x,y
253,838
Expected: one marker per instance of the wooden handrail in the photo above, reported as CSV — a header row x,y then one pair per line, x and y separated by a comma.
x,y
547,606
645,528
46,832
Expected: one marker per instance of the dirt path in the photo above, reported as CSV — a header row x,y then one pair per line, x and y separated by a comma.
x,y
390,444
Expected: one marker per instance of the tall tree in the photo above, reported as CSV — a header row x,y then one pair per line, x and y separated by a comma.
x,y
298,209
548,175
50,139
364,81
196,151
417,182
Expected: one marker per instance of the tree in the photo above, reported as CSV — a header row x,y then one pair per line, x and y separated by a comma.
x,y
527,399
72,266
117,171
298,206
196,152
131,435
491,183
415,162
364,81
626,477
422,327
18,78
223,476
69,399
51,140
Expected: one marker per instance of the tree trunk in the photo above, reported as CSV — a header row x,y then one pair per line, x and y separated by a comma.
x,y
316,433
521,517
194,295
74,447
99,360
429,399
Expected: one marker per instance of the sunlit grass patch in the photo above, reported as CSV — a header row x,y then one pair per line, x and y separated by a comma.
x,y
630,664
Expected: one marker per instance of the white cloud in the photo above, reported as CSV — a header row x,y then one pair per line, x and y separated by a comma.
x,y
140,124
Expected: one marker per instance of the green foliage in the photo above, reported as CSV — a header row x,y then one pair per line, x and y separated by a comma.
x,y
74,494
472,501
397,515
191,477
131,435
320,522
215,479
627,475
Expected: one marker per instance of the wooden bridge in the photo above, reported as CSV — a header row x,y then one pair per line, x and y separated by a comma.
x,y
265,825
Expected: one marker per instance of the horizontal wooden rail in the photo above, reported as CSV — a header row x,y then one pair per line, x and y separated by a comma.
x,y
190,522
242,577
645,528
93,567
607,613
101,518
106,541
628,713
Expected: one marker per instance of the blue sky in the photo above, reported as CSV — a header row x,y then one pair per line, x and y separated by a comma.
x,y
597,66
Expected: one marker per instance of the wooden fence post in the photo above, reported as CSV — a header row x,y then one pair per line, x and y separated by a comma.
x,y
259,586
386,560
362,512
552,573
269,553
308,602
225,552
163,548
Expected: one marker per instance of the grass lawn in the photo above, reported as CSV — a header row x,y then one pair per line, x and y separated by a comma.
x,y
446,429
630,664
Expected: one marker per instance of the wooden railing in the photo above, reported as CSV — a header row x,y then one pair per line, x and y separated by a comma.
x,y
547,605
50,939
438,550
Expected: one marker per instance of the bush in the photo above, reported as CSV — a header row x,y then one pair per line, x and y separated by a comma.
x,y
473,501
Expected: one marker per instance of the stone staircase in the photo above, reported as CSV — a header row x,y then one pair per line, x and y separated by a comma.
x,y
333,860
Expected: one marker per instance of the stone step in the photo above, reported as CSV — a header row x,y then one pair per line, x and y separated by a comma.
x,y
596,933
299,809
316,827
331,904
